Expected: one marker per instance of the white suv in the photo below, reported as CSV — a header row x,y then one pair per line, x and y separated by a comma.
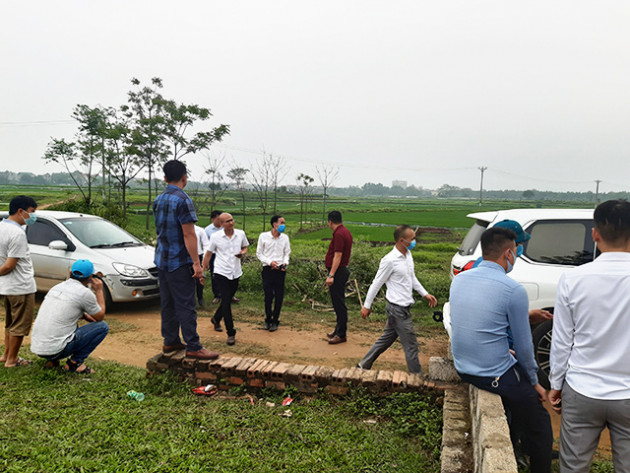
x,y
560,240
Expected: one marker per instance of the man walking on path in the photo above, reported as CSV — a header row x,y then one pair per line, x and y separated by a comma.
x,y
337,259
17,278
273,251
396,271
590,351
485,305
56,334
215,226
178,263
229,245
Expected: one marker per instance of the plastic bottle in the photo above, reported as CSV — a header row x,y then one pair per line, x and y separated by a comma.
x,y
135,395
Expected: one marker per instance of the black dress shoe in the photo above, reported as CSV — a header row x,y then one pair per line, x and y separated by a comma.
x,y
266,326
217,325
330,335
273,327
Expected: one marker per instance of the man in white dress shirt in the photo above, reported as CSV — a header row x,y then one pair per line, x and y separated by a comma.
x,y
396,271
203,242
215,226
590,349
229,245
273,251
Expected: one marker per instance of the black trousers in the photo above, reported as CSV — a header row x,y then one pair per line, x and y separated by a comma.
x,y
529,420
198,283
338,297
215,289
227,288
273,286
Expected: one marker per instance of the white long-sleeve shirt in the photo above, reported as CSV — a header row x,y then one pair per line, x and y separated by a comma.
x,y
397,273
590,346
226,248
203,242
273,249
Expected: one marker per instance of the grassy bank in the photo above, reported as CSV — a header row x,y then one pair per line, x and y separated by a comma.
x,y
55,422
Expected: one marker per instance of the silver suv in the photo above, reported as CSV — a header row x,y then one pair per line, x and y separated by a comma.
x,y
561,239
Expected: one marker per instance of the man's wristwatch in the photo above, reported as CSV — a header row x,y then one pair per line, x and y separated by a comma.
x,y
331,275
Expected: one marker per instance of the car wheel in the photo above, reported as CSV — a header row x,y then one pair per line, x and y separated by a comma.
x,y
541,337
108,297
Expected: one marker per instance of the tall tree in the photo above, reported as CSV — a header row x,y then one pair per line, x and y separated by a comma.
x,y
64,153
238,176
179,119
327,176
304,187
148,131
216,184
89,140
279,170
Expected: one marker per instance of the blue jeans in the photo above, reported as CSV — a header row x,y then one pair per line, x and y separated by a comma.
x,y
179,303
85,341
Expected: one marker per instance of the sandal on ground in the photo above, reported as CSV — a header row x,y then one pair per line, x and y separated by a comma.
x,y
20,362
71,367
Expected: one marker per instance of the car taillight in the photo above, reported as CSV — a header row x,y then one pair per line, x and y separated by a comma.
x,y
467,266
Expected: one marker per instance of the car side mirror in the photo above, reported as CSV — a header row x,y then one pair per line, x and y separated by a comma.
x,y
58,245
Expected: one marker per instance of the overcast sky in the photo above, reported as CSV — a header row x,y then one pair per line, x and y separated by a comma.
x,y
538,91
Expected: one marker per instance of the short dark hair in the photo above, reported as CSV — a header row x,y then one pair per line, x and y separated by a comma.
x,y
494,241
400,231
334,216
174,170
612,221
275,218
215,213
21,202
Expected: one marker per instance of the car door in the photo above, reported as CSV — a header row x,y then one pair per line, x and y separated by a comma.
x,y
51,266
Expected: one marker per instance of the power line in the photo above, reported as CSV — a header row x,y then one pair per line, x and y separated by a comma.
x,y
37,123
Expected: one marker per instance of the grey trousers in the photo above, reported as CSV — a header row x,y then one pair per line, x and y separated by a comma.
x,y
399,324
583,420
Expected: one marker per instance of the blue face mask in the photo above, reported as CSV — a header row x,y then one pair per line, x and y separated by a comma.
x,y
519,250
281,227
510,265
412,245
32,218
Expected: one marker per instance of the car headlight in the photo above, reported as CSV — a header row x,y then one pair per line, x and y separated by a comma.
x,y
130,270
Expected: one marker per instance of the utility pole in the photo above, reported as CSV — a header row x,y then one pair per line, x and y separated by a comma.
x,y
482,169
597,181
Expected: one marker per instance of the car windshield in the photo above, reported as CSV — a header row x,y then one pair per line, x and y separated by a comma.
x,y
99,233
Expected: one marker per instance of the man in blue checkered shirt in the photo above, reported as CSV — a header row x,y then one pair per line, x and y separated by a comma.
x,y
178,264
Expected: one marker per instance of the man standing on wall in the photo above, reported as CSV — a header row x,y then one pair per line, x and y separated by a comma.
x,y
17,278
397,273
178,263
229,245
590,355
215,226
273,251
337,259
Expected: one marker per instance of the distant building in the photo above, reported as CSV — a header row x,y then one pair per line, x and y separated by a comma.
x,y
402,184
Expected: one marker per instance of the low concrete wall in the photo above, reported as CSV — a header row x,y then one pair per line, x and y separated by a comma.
x,y
492,446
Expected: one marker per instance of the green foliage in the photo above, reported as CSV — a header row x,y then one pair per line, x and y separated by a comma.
x,y
50,421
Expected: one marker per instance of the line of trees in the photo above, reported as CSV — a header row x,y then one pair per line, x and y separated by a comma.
x,y
121,143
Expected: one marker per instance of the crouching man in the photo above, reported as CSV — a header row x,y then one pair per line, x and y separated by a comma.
x,y
56,334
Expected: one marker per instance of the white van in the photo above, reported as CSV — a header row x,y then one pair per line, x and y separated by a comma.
x,y
561,239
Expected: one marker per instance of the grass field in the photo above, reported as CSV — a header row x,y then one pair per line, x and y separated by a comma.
x,y
53,422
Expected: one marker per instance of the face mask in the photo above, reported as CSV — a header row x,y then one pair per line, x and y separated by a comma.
x,y
281,228
412,245
32,218
510,266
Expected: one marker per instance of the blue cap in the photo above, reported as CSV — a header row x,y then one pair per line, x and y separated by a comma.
x,y
513,225
82,269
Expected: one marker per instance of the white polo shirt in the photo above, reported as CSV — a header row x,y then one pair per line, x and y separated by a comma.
x,y
226,263
203,242
397,273
273,249
13,244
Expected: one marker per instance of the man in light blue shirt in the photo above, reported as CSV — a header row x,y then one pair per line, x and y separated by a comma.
x,y
485,303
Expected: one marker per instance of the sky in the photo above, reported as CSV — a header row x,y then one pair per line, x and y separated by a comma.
x,y
427,92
